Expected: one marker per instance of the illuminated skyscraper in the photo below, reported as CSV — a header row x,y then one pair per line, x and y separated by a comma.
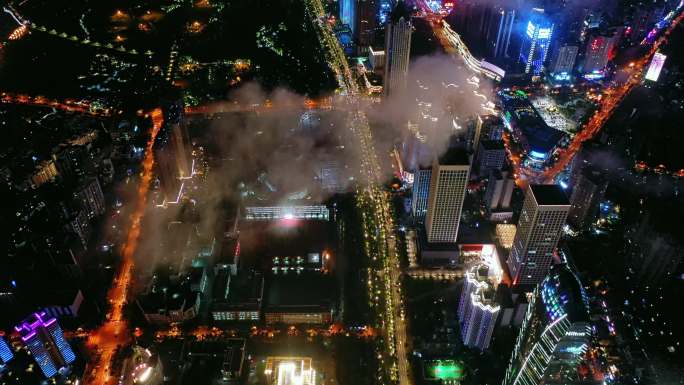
x,y
535,42
597,55
397,48
45,340
421,189
539,228
563,61
477,309
5,353
555,332
448,184
499,32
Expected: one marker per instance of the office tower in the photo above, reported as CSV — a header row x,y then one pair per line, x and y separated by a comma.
x,y
448,184
535,42
477,309
586,196
421,189
491,156
397,48
348,13
564,61
555,332
90,196
499,32
499,190
365,21
539,228
598,53
492,127
5,353
376,59
45,340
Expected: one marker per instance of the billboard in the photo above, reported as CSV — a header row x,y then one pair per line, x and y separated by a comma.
x,y
656,65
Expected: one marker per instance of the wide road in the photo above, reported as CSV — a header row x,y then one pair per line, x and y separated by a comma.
x,y
374,202
114,331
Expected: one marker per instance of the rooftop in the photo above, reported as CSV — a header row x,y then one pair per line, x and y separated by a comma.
x,y
454,157
492,144
549,194
300,290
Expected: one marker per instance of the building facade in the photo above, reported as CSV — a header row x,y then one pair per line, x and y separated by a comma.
x,y
564,61
421,191
478,311
586,197
541,222
597,55
397,48
448,184
45,340
500,31
555,332
536,40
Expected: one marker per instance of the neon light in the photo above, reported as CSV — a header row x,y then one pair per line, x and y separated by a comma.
x,y
537,155
544,33
656,66
530,29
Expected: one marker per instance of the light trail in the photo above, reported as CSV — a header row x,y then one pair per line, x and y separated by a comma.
x,y
69,105
374,206
114,331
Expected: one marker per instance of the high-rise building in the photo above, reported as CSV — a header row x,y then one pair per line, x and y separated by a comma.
x,y
348,13
536,40
564,61
555,332
587,194
90,196
448,184
598,53
45,340
541,222
366,11
5,353
397,48
499,32
491,156
491,127
421,190
477,309
499,190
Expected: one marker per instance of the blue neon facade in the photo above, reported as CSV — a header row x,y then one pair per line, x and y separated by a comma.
x,y
535,42
58,338
45,340
5,353
41,355
348,13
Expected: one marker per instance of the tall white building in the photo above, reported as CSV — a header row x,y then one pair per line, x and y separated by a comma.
x,y
478,310
541,222
445,200
397,48
564,60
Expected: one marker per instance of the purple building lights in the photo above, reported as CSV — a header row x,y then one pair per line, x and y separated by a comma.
x,y
45,340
